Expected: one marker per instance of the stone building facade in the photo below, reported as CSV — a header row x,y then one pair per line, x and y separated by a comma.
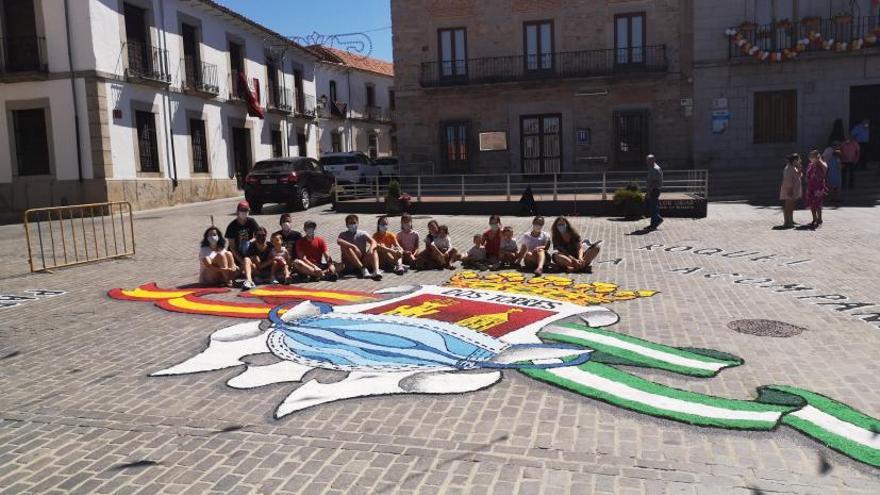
x,y
772,78
536,87
143,101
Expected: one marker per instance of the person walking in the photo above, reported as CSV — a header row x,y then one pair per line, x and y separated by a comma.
x,y
835,179
791,189
862,134
849,156
654,186
817,187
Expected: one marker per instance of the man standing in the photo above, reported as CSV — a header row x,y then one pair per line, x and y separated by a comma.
x,y
240,233
654,186
850,153
862,134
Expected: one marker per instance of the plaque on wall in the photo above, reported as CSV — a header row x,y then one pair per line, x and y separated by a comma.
x,y
493,141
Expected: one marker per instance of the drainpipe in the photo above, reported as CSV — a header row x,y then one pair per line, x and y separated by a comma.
x,y
169,131
79,163
351,144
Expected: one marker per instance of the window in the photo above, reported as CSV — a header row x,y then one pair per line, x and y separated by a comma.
x,y
274,95
301,143
277,146
629,38
236,64
335,142
199,142
148,147
455,145
371,95
394,145
775,117
392,100
541,149
333,91
137,39
373,146
453,52
300,92
191,61
23,50
31,142
631,136
538,45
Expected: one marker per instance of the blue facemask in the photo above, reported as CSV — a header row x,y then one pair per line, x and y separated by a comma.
x,y
383,228
310,232
353,228
562,228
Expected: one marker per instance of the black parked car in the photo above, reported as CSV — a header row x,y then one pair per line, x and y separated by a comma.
x,y
299,182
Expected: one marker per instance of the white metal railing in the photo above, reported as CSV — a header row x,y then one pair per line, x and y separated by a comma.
x,y
511,186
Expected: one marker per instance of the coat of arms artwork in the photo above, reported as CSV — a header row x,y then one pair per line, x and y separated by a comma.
x,y
460,337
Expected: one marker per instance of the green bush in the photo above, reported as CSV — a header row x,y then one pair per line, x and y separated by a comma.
x,y
392,198
630,201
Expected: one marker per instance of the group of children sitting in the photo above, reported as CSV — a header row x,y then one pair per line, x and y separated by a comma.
x,y
288,256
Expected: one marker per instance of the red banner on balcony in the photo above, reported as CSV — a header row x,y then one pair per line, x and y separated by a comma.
x,y
252,97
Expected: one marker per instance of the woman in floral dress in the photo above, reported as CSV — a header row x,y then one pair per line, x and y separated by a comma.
x,y
817,187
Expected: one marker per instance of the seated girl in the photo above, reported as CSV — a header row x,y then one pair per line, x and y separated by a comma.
x,y
216,264
280,259
476,258
572,253
438,252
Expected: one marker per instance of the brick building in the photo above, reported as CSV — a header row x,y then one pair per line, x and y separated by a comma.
x,y
772,77
516,86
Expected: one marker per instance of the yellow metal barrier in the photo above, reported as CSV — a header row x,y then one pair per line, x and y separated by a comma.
x,y
71,235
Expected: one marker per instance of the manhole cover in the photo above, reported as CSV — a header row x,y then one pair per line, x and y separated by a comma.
x,y
765,328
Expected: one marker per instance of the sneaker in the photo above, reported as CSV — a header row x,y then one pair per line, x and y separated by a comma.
x,y
364,273
331,277
247,285
377,275
275,282
399,270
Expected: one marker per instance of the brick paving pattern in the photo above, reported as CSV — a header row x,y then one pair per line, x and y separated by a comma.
x,y
78,413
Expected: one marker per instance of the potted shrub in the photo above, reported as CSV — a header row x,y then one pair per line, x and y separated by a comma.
x,y
392,198
630,202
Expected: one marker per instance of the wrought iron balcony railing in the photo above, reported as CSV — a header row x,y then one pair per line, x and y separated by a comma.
x,y
147,62
200,76
785,34
586,63
280,99
23,54
373,113
306,105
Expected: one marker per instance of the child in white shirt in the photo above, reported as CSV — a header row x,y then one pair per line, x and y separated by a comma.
x,y
476,255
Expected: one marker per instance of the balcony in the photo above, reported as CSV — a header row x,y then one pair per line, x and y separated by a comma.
x,y
372,113
22,54
785,35
200,77
306,106
280,99
563,65
147,63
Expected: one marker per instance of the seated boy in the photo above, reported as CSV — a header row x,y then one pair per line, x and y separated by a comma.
x,y
259,259
390,252
280,259
358,250
476,258
508,249
312,256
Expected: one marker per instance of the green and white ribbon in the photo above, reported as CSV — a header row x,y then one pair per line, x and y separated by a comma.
x,y
832,423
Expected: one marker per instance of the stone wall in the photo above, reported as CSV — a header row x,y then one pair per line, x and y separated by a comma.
x,y
495,28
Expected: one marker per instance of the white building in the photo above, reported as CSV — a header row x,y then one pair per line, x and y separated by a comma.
x,y
154,113
356,96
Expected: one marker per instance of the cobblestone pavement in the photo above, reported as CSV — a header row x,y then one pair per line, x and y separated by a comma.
x,y
79,414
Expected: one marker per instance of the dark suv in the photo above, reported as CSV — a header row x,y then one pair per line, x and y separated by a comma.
x,y
299,182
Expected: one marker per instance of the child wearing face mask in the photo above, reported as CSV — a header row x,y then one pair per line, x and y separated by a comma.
x,y
492,241
359,250
216,264
476,255
509,249
534,246
408,239
240,232
312,256
280,260
390,252
289,236
259,260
